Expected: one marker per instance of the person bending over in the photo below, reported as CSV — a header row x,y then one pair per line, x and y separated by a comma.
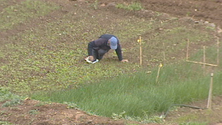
x,y
98,48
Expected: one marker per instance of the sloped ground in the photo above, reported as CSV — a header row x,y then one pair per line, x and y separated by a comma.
x,y
207,10
38,113
34,112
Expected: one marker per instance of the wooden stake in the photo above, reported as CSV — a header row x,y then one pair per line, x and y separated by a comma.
x,y
202,63
210,93
141,56
158,72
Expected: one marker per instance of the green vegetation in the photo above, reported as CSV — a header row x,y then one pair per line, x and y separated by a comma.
x,y
138,95
12,102
33,112
95,4
14,15
132,6
52,54
193,123
9,98
5,94
5,123
46,61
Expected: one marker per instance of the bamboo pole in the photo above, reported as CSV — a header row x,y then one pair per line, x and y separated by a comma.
x,y
202,63
209,102
158,72
141,56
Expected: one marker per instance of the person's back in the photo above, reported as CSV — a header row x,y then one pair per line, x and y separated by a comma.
x,y
107,36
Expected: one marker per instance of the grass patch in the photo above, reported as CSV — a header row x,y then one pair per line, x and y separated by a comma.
x,y
132,6
5,94
9,98
211,55
5,123
139,95
193,123
172,39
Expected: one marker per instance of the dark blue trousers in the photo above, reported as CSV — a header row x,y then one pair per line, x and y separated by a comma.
x,y
98,54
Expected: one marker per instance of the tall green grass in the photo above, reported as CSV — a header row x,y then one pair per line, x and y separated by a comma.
x,y
193,123
139,95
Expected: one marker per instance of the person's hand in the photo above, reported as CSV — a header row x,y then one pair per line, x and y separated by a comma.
x,y
124,60
91,58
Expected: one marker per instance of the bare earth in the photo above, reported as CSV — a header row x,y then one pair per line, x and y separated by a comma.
x,y
38,113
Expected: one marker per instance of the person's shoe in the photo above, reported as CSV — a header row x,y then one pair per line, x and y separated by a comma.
x,y
95,61
87,60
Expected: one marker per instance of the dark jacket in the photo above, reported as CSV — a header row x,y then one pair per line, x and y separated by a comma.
x,y
101,43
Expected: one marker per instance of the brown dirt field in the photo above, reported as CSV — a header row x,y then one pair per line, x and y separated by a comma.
x,y
38,113
207,10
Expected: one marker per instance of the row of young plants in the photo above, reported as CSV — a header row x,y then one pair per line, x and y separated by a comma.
x,y
138,96
52,55
14,15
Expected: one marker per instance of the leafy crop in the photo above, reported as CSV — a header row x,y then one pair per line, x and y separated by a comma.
x,y
50,56
14,15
